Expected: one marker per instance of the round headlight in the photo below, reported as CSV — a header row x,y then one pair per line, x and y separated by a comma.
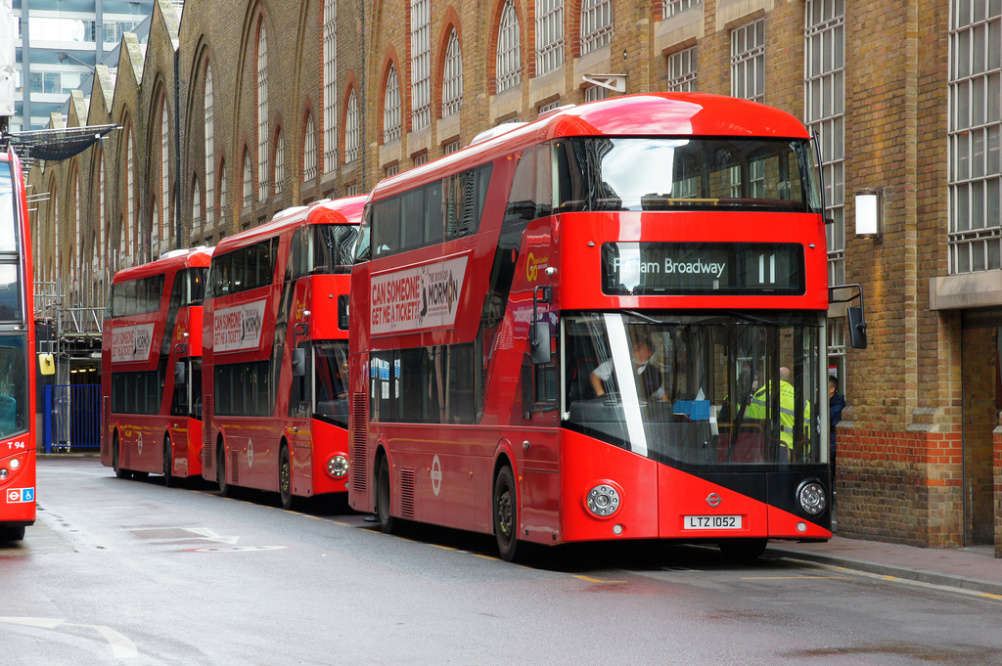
x,y
15,463
812,497
602,500
4,473
337,466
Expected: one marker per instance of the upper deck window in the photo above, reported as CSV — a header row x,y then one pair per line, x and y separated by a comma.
x,y
136,297
324,249
247,268
604,174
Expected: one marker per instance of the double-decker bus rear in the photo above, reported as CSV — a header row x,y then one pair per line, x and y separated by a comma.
x,y
276,338
151,368
623,339
18,437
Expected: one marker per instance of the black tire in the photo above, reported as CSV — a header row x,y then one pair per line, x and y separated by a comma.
x,y
169,479
224,488
386,521
744,550
12,533
116,463
285,478
505,512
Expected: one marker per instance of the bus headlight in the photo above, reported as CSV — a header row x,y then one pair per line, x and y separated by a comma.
x,y
337,466
812,497
602,500
3,472
15,463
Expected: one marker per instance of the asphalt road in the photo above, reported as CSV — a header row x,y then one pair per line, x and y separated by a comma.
x,y
131,572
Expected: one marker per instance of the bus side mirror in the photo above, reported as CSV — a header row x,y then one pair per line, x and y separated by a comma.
x,y
857,328
298,362
539,341
179,373
47,364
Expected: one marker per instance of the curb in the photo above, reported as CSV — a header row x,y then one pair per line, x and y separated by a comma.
x,y
896,571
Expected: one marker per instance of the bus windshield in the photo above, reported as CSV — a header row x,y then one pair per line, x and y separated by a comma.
x,y
648,174
697,390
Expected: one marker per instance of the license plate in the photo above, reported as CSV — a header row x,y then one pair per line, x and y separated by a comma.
x,y
713,522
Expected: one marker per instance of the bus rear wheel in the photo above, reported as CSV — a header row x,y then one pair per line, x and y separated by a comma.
x,y
386,522
224,488
116,463
169,480
744,550
285,478
505,510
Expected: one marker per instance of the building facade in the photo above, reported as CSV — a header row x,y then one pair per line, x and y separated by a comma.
x,y
246,107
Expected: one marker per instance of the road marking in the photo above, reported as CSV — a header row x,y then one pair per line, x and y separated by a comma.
x,y
596,580
121,647
204,533
235,549
795,577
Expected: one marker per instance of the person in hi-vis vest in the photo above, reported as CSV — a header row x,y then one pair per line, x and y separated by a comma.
x,y
758,409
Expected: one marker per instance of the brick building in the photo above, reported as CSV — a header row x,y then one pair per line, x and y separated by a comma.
x,y
246,108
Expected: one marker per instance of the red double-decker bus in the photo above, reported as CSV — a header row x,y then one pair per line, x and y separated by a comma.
x,y
151,358
276,349
18,436
607,324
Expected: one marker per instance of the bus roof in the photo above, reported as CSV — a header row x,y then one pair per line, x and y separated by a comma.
x,y
194,257
338,211
650,114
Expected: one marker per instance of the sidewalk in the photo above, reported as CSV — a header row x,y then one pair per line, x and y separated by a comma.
x,y
976,570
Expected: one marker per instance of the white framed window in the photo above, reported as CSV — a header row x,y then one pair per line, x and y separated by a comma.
x,y
748,61
309,151
222,190
549,35
352,129
248,181
824,114
354,190
391,107
420,64
452,79
595,93
509,60
596,25
543,108
262,112
154,236
210,148
975,154
670,8
130,192
280,163
451,147
196,206
391,170
682,71
330,85
158,223
420,159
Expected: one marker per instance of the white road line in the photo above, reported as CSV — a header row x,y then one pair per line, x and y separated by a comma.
x,y
121,647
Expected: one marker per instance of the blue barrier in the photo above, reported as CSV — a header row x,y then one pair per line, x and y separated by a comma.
x,y
72,417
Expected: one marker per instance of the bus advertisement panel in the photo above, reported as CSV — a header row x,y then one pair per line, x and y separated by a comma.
x,y
607,324
151,365
18,436
276,350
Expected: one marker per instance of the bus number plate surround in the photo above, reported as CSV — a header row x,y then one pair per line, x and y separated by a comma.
x,y
713,523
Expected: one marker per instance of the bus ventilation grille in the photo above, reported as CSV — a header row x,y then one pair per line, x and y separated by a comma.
x,y
407,494
359,429
235,467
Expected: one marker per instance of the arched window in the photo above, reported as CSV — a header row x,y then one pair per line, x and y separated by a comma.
x,y
596,25
549,35
262,111
351,130
102,239
391,107
309,151
420,64
196,205
330,85
154,237
452,80
210,148
279,163
222,190
132,222
509,61
160,225
248,180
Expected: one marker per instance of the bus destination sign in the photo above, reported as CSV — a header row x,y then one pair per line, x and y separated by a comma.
x,y
719,269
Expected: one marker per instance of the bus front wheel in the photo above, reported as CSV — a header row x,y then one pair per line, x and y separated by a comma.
x,y
169,479
383,497
505,507
285,478
224,488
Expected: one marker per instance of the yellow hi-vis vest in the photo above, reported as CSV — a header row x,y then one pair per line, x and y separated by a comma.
x,y
757,409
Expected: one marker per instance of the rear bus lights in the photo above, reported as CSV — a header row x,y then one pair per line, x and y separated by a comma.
x,y
603,500
812,497
337,466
